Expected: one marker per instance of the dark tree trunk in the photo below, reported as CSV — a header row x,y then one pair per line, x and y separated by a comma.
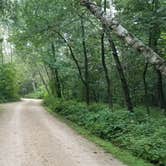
x,y
58,84
113,25
47,73
87,88
56,74
76,63
121,74
109,92
95,96
1,51
160,93
146,88
44,82
153,43
52,82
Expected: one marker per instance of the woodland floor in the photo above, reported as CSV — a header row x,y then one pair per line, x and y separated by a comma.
x,y
29,136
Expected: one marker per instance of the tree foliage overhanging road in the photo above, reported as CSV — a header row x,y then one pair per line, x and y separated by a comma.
x,y
112,24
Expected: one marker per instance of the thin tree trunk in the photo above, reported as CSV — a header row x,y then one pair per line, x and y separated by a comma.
x,y
153,43
108,81
146,88
47,72
73,57
58,84
85,63
34,85
113,25
62,88
109,92
84,80
56,74
95,97
44,82
121,74
52,82
1,51
161,101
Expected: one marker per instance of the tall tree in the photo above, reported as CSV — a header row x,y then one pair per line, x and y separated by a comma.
x,y
85,62
123,34
108,81
55,74
121,74
154,36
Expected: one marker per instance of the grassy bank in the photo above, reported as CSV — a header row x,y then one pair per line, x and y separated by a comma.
x,y
139,134
118,153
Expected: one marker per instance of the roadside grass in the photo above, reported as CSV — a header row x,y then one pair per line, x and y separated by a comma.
x,y
124,156
155,112
1,108
10,100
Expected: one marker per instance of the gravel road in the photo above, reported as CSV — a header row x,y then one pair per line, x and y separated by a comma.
x,y
29,136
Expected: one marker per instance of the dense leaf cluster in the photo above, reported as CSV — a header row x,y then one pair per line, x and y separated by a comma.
x,y
8,83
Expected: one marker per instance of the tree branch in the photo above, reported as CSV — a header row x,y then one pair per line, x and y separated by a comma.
x,y
112,24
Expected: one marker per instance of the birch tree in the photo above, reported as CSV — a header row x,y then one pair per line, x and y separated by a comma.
x,y
114,25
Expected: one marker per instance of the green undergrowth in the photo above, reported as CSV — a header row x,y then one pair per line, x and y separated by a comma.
x,y
8,84
139,134
9,100
38,94
118,153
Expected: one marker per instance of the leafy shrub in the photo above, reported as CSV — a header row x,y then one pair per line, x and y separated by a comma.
x,y
96,107
142,135
8,83
39,94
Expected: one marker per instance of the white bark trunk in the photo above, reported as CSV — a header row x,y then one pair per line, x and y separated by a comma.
x,y
112,10
112,24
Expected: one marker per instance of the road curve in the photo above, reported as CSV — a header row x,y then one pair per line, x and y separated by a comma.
x,y
29,136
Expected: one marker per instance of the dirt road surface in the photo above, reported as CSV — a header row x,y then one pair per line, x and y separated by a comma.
x,y
29,136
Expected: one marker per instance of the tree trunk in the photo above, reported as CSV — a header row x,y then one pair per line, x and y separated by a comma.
x,y
146,88
58,84
87,89
154,36
52,82
95,96
34,85
121,74
108,81
160,93
56,74
1,51
113,25
73,57
83,80
44,82
47,73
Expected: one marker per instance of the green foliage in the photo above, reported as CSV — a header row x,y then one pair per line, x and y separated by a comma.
x,y
38,30
95,107
8,83
144,136
40,93
40,25
124,156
